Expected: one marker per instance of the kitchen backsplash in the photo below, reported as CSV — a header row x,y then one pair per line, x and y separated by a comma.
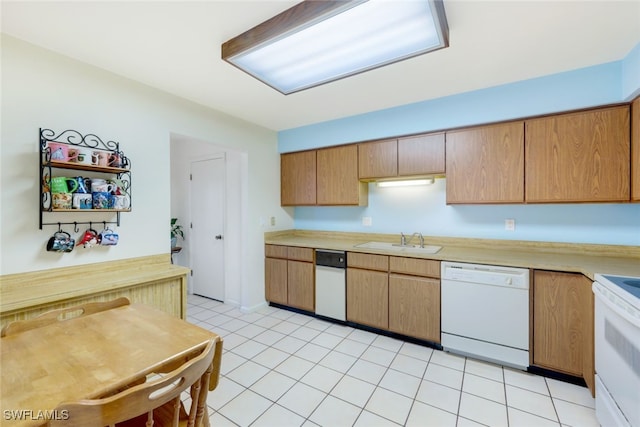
x,y
424,209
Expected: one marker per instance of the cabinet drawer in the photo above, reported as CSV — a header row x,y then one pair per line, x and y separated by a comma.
x,y
414,266
368,261
275,251
300,254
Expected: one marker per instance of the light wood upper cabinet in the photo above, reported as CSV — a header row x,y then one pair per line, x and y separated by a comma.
x,y
378,159
298,178
410,156
421,155
578,157
635,150
563,323
486,164
337,177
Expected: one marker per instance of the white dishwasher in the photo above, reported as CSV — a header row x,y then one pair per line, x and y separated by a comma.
x,y
485,312
331,284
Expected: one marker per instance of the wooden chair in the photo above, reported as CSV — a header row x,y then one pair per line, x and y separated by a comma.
x,y
60,315
136,406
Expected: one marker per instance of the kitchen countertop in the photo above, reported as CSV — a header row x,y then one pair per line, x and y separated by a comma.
x,y
587,259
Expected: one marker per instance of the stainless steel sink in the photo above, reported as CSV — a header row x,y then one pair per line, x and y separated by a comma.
x,y
395,247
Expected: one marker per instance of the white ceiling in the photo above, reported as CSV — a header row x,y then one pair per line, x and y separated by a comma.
x,y
175,46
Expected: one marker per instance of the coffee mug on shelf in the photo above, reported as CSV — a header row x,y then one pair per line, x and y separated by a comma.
x,y
115,159
102,200
59,151
100,158
84,185
63,184
80,155
82,201
121,201
108,237
99,185
61,200
61,241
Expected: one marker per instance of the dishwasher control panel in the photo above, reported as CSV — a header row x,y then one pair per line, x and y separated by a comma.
x,y
328,258
486,274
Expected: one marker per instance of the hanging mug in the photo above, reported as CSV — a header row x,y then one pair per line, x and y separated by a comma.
x,y
61,241
89,238
108,237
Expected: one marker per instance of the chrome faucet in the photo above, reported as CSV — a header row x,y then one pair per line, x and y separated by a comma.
x,y
405,242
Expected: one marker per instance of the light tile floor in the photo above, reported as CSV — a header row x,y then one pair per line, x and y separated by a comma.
x,y
287,369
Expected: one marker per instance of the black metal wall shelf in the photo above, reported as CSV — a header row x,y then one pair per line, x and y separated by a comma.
x,y
73,139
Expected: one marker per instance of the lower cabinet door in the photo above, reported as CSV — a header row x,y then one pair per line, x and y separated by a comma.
x,y
414,306
275,280
301,288
368,297
563,323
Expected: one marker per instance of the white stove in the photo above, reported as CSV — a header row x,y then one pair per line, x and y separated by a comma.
x,y
617,350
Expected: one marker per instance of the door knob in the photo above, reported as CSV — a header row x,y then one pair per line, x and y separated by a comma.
x,y
219,237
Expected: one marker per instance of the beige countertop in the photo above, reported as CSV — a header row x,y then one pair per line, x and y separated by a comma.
x,y
587,259
22,290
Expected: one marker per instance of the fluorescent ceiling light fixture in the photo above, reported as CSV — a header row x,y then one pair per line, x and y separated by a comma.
x,y
406,183
319,41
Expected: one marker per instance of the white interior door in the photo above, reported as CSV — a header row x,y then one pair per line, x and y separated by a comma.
x,y
207,227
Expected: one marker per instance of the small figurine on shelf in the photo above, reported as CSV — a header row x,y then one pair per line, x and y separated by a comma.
x,y
176,230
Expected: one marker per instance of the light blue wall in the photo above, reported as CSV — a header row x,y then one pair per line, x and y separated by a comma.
x,y
424,209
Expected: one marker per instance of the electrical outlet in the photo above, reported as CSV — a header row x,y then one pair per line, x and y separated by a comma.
x,y
272,221
367,221
510,224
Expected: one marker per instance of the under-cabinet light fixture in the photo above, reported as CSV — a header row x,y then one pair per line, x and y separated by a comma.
x,y
406,183
319,41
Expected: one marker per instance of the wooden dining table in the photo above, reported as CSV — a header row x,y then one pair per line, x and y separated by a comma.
x,y
89,357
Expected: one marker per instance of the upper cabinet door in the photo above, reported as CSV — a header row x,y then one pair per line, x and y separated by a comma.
x,y
378,159
338,177
298,178
635,150
421,155
578,157
486,164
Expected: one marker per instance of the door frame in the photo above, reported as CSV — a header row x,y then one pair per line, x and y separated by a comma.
x,y
186,148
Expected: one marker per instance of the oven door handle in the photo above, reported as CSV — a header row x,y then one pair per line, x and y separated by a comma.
x,y
618,309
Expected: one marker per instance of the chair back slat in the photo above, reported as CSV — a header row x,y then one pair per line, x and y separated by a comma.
x,y
139,399
61,315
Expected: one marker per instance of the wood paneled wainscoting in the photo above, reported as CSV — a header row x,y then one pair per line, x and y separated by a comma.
x,y
150,280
